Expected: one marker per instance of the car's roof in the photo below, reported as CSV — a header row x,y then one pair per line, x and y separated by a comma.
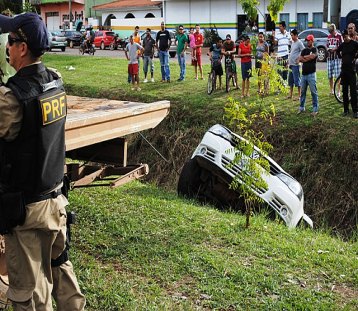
x,y
316,29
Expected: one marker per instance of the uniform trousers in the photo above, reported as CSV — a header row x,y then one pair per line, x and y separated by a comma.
x,y
29,250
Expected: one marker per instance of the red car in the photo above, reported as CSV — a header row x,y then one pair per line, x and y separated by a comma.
x,y
103,38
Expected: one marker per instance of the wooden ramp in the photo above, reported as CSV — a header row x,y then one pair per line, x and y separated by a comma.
x,y
94,120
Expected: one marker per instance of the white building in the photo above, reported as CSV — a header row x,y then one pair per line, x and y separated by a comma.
x,y
226,15
122,16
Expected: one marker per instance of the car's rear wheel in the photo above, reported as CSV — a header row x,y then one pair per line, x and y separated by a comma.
x,y
102,47
321,54
63,49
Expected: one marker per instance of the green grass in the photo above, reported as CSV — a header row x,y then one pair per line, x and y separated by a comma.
x,y
140,247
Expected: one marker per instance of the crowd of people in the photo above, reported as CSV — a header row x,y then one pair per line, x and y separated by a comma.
x,y
297,63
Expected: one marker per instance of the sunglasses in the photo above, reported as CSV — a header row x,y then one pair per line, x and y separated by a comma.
x,y
12,40
350,28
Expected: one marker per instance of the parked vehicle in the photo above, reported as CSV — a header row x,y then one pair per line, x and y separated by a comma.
x,y
73,37
209,172
117,43
320,41
56,41
172,48
103,39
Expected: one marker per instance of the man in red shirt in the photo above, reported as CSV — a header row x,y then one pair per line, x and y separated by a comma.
x,y
199,40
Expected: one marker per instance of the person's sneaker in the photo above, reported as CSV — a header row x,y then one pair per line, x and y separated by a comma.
x,y
133,88
179,80
138,88
355,115
314,113
168,80
145,81
345,113
152,79
300,111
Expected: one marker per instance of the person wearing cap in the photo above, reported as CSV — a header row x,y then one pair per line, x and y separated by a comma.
x,y
308,58
282,39
294,76
163,42
348,51
32,120
181,40
334,39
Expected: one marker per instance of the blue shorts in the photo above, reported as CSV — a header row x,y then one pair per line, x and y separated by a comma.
x,y
294,76
246,70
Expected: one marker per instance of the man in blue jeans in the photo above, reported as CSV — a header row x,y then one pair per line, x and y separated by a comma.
x,y
163,43
308,58
294,76
181,40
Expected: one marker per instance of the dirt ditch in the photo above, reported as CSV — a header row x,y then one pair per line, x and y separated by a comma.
x,y
324,160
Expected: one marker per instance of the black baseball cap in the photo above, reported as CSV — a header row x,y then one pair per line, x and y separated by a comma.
x,y
30,28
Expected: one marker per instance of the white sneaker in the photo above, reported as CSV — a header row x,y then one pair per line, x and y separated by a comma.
x,y
152,79
145,81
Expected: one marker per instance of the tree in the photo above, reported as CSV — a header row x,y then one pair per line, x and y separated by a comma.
x,y
28,7
247,118
275,7
250,8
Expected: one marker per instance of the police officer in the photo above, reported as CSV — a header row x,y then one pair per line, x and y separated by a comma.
x,y
32,119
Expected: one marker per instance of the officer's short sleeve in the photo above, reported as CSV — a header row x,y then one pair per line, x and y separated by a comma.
x,y
10,114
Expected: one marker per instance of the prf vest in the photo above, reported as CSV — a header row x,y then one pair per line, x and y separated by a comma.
x,y
33,163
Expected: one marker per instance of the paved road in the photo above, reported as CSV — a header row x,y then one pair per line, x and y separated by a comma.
x,y
120,54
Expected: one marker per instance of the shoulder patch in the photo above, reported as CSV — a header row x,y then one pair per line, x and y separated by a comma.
x,y
53,107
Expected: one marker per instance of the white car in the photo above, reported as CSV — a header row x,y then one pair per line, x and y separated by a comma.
x,y
207,175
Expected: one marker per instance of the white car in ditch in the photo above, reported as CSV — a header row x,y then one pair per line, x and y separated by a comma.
x,y
209,172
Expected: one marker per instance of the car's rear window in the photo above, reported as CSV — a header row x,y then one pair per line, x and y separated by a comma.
x,y
110,33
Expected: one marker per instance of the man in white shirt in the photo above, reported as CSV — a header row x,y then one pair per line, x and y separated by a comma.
x,y
282,40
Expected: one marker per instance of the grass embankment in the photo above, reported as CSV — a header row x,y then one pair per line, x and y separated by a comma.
x,y
139,247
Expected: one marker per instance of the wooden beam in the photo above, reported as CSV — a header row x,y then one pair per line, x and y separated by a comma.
x,y
93,120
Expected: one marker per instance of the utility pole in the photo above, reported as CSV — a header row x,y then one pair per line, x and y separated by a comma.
x,y
70,13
